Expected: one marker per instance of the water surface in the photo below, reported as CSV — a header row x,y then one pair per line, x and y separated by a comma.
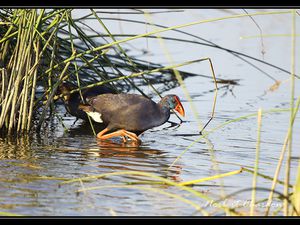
x,y
26,165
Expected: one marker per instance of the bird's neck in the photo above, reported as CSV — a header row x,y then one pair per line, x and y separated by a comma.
x,y
164,113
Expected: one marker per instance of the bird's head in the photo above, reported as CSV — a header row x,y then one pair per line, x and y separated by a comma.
x,y
173,102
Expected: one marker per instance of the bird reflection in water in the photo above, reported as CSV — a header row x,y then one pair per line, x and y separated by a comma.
x,y
129,148
118,155
133,157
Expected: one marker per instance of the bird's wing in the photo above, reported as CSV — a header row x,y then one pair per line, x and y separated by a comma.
x,y
116,102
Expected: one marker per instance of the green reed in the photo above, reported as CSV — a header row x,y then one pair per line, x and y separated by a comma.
x,y
34,54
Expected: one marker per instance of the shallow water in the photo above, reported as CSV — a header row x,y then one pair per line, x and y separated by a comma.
x,y
26,165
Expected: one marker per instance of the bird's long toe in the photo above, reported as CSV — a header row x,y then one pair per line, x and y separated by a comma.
x,y
134,137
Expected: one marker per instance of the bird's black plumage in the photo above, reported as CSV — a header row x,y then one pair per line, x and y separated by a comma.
x,y
130,112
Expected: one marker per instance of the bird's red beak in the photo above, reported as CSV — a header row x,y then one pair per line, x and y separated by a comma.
x,y
179,108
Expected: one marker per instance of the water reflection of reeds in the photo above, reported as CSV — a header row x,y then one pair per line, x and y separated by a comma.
x,y
12,148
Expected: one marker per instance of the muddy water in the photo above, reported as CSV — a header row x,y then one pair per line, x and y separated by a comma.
x,y
32,170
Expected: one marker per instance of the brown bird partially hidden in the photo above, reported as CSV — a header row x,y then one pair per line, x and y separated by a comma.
x,y
73,100
129,115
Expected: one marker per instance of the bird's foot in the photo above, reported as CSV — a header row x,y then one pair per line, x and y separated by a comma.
x,y
124,139
133,137
123,133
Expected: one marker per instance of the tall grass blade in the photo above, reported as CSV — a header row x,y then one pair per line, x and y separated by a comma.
x,y
254,181
291,124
